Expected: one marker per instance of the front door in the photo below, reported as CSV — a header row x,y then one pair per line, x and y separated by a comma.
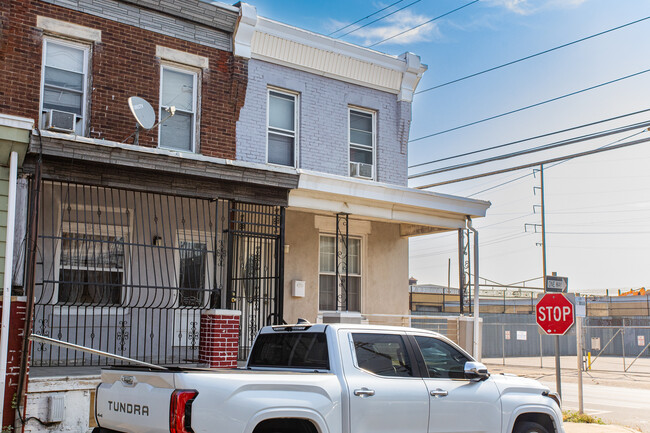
x,y
385,394
457,404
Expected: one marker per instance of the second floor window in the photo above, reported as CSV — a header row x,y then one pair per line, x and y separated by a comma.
x,y
362,143
64,86
178,89
282,128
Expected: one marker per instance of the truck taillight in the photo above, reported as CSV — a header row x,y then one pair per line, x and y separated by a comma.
x,y
180,411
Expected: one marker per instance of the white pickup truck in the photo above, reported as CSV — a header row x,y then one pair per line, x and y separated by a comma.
x,y
330,379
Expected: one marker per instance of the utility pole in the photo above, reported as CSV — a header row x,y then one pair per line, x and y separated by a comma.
x,y
558,380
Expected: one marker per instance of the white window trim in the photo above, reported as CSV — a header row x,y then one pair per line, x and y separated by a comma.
x,y
195,236
86,72
296,123
352,108
162,114
362,274
99,229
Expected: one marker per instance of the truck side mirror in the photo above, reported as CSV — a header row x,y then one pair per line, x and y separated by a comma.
x,y
476,371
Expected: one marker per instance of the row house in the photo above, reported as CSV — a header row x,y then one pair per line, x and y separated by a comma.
x,y
266,183
339,114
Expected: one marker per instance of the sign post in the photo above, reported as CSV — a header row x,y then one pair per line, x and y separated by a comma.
x,y
554,314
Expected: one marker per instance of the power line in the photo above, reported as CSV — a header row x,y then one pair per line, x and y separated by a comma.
x,y
537,163
367,16
379,19
557,163
532,56
548,134
540,148
424,23
530,106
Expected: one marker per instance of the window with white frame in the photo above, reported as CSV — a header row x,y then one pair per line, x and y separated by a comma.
x,y
282,121
178,88
64,89
362,143
327,284
195,268
91,264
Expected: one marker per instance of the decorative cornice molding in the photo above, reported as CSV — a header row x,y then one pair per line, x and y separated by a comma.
x,y
274,42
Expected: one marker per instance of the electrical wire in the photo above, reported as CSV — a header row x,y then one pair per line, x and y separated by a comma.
x,y
532,56
367,16
548,134
535,164
539,148
379,19
557,98
424,23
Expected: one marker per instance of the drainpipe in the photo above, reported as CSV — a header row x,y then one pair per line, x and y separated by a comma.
x,y
6,291
476,349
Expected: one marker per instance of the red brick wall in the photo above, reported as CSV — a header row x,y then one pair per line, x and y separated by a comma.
x,y
219,338
123,64
16,332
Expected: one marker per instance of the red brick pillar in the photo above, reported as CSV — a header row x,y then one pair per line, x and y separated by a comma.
x,y
219,338
16,331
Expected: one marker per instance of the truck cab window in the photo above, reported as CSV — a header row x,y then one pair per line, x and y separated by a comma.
x,y
300,350
442,360
382,354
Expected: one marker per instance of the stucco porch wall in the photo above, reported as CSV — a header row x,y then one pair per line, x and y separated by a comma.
x,y
384,262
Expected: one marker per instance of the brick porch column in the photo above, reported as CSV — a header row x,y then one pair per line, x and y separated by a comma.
x,y
16,330
219,338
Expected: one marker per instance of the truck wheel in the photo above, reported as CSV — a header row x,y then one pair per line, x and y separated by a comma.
x,y
529,427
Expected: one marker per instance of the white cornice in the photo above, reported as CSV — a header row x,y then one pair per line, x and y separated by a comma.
x,y
264,39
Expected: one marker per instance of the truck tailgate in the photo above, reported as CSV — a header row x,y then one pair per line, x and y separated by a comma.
x,y
134,402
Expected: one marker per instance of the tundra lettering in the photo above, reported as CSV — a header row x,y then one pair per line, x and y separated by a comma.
x,y
134,409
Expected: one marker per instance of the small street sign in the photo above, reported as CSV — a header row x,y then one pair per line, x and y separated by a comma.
x,y
556,284
554,314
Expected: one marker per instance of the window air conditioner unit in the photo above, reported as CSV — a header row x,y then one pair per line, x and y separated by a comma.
x,y
359,169
60,121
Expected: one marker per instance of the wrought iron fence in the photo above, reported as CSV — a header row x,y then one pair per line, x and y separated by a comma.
x,y
129,272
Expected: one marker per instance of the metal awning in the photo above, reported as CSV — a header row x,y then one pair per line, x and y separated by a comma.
x,y
418,212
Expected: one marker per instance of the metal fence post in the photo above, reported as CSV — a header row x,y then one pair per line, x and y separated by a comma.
x,y
623,343
503,343
541,352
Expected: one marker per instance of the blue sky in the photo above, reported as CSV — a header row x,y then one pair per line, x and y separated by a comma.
x,y
598,206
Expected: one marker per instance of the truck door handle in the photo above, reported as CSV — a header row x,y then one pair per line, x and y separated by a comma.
x,y
439,393
364,392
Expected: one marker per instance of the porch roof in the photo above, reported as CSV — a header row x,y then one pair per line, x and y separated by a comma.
x,y
419,212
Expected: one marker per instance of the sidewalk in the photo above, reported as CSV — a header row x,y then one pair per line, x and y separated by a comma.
x,y
571,427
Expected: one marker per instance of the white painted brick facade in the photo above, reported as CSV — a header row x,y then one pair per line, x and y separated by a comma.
x,y
323,121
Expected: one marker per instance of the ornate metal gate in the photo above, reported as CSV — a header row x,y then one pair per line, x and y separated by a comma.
x,y
256,268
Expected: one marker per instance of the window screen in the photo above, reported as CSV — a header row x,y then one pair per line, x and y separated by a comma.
x,y
300,350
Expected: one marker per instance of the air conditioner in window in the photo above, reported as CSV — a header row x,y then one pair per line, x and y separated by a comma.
x,y
60,121
359,169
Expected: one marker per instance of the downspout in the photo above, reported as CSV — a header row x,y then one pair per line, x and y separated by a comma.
x,y
476,350
6,287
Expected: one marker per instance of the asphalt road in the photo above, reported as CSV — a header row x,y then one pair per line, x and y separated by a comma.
x,y
626,406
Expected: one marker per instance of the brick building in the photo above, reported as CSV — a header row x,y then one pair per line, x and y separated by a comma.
x,y
266,183
340,115
135,236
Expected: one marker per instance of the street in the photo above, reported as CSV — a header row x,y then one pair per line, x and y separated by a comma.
x,y
614,396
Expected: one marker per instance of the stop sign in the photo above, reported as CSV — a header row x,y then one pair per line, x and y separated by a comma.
x,y
554,314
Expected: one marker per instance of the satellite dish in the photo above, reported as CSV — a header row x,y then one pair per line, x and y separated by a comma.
x,y
142,111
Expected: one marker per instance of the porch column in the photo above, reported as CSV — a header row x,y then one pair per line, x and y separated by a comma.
x,y
219,338
18,308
